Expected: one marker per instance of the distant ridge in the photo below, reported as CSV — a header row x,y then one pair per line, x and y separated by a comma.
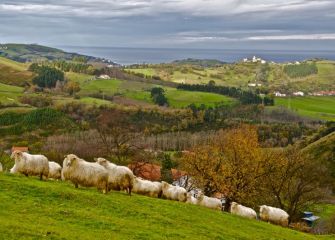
x,y
35,52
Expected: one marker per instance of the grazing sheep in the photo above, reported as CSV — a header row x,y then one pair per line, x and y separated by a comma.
x,y
242,211
120,177
191,199
173,192
209,202
1,167
274,215
30,165
85,174
55,170
147,188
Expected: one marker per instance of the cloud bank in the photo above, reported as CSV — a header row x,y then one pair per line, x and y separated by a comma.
x,y
167,23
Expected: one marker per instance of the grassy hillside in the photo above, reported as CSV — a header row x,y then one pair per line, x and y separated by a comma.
x,y
240,74
323,150
55,210
14,73
314,107
9,94
34,52
141,91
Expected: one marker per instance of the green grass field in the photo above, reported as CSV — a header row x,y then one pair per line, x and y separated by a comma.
x,y
9,94
314,107
141,91
31,209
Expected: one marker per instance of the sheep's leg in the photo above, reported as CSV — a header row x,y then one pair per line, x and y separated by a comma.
x,y
26,174
41,176
76,185
129,191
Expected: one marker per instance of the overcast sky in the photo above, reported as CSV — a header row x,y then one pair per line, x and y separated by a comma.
x,y
226,24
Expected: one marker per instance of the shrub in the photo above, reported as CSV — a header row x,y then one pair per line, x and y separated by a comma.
x,y
39,101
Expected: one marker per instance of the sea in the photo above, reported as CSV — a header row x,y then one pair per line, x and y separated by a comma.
x,y
128,56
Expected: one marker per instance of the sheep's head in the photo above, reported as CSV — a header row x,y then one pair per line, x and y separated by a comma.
x,y
70,159
165,185
263,210
16,155
233,206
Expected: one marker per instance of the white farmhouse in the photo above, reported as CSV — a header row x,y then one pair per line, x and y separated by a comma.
x,y
279,94
104,76
299,94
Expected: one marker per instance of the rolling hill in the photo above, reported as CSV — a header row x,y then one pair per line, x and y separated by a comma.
x,y
272,76
35,52
14,73
32,209
323,150
141,92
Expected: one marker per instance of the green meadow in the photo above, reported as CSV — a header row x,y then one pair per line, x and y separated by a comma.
x,y
31,209
141,91
314,107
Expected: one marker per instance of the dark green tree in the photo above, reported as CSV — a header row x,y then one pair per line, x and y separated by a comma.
x,y
47,76
158,96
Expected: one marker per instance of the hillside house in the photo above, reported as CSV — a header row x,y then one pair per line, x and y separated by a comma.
x,y
299,94
279,94
104,76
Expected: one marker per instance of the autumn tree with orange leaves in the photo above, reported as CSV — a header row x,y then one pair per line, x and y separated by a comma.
x,y
232,164
235,165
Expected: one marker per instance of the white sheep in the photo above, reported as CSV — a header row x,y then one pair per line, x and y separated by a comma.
x,y
30,165
191,199
274,215
147,188
86,174
1,167
55,170
120,177
173,192
209,202
242,211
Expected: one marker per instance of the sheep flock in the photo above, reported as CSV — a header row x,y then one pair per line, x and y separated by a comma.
x,y
107,176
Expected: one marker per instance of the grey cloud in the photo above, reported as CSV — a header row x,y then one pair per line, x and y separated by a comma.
x,y
170,23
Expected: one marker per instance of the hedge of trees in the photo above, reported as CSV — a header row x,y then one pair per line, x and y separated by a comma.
x,y
77,67
43,118
302,70
245,97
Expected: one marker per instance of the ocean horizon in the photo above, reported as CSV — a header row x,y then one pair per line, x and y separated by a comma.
x,y
128,56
